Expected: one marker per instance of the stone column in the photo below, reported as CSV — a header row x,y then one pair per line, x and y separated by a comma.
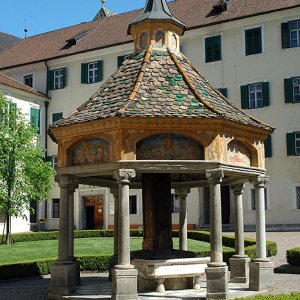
x,y
63,271
261,269
182,193
239,263
124,285
114,259
217,270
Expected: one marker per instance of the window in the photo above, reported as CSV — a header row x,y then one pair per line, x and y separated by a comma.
x,y
175,203
223,91
253,197
293,143
28,80
268,146
57,116
55,208
53,160
292,90
57,79
121,59
297,198
213,49
253,41
290,34
133,204
92,72
255,95
35,118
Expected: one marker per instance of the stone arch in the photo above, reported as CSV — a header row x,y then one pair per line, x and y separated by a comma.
x,y
169,146
241,153
88,151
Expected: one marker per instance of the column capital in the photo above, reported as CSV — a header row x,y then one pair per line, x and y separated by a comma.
x,y
67,181
261,181
124,175
237,188
215,175
182,192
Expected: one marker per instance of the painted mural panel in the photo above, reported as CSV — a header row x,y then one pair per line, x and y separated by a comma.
x,y
169,147
239,154
90,151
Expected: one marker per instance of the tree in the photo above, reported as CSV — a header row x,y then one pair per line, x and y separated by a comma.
x,y
24,175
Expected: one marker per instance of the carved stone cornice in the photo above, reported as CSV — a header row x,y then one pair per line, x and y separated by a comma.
x,y
238,188
124,175
260,181
215,175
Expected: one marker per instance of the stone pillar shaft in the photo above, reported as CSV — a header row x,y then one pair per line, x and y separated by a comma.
x,y
260,184
71,223
215,178
182,193
123,177
115,193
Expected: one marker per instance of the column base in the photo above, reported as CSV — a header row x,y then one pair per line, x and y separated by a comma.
x,y
124,284
261,275
63,279
239,268
217,281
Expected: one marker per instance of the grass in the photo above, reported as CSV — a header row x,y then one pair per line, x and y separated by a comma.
x,y
24,251
292,296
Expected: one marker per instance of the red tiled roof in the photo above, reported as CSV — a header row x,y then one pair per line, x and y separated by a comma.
x,y
113,30
7,81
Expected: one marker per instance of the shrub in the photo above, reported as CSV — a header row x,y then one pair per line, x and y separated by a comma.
x,y
293,256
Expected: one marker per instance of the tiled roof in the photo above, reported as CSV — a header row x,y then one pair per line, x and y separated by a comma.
x,y
7,40
112,31
7,81
103,13
158,83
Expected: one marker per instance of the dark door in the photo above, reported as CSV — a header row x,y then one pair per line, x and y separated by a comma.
x,y
90,217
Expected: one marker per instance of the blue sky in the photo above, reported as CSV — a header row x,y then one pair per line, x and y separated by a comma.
x,y
47,15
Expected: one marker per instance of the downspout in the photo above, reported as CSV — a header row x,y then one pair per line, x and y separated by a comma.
x,y
46,112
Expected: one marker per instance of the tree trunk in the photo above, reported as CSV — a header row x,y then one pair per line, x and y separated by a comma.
x,y
7,240
3,232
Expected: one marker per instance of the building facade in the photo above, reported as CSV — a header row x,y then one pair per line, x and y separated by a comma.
x,y
249,51
32,105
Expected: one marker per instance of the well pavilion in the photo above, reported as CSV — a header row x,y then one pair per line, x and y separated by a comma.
x,y
158,124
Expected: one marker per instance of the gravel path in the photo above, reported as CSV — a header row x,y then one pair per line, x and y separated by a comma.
x,y
36,288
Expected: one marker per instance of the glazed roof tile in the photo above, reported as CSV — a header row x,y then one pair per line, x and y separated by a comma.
x,y
158,83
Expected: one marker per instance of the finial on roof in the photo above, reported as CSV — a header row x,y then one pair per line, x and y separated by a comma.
x,y
103,12
103,2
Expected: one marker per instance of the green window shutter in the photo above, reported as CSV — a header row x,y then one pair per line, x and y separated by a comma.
x,y
268,146
50,80
121,59
84,73
100,70
64,77
223,91
266,93
244,96
35,118
213,49
288,90
285,35
290,144
57,116
253,41
208,51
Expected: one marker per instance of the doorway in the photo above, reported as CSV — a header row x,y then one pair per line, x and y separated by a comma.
x,y
225,198
94,207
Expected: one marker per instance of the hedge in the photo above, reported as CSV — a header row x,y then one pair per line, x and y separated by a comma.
x,y
101,262
292,296
42,266
293,257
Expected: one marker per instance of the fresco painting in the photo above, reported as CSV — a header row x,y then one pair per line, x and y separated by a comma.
x,y
239,154
169,147
90,152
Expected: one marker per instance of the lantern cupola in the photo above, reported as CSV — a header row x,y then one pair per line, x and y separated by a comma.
x,y
156,26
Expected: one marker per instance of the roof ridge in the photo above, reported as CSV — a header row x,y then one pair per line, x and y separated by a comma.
x,y
139,78
190,85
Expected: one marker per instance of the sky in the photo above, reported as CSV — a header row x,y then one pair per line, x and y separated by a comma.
x,y
47,15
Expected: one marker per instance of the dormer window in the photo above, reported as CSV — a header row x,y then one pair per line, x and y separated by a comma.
x,y
144,40
174,42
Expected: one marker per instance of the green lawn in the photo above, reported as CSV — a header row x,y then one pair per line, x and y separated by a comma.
x,y
48,249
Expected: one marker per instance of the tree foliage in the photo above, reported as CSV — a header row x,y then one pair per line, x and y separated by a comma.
x,y
24,176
